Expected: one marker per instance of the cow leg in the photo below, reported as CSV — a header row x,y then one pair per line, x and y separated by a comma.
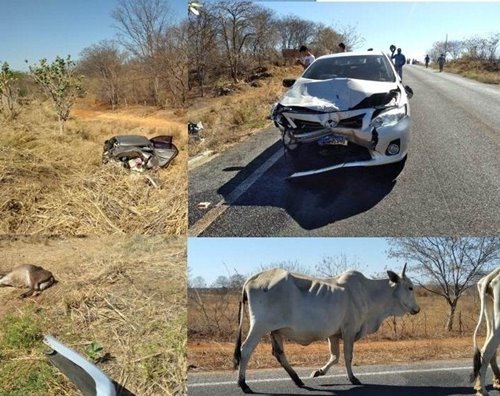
x,y
348,350
496,372
490,347
279,354
334,357
253,338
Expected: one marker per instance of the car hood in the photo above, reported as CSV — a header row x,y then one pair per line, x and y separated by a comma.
x,y
339,94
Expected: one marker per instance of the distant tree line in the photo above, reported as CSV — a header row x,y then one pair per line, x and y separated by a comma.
x,y
230,38
146,64
474,48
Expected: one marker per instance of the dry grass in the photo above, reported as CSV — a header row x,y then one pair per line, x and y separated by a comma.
x,y
126,295
229,119
212,324
218,355
483,71
55,184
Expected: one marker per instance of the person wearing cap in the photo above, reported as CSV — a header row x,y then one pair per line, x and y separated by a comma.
x,y
399,62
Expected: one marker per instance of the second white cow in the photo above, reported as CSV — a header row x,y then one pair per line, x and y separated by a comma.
x,y
489,294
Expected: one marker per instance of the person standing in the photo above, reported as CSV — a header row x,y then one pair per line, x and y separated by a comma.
x,y
441,61
427,59
308,57
399,62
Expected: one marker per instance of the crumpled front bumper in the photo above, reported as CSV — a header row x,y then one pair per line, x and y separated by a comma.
x,y
306,127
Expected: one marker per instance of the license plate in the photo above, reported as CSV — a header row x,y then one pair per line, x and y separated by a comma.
x,y
333,140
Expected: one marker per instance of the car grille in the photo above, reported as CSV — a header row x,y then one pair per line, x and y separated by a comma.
x,y
351,123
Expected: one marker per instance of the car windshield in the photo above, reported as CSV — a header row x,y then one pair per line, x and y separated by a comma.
x,y
362,67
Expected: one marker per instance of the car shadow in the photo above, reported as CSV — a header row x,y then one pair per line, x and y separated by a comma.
x,y
313,201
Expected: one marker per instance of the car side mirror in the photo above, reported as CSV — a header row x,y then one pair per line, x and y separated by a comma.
x,y
288,82
409,91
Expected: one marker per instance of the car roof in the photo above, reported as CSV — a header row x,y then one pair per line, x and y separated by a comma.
x,y
353,53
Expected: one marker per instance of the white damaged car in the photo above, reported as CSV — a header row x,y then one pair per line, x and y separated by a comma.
x,y
346,110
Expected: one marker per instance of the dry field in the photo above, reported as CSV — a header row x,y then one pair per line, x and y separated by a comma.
x,y
54,184
483,71
212,324
125,295
229,119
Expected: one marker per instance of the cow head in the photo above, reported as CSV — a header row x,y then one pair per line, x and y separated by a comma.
x,y
404,292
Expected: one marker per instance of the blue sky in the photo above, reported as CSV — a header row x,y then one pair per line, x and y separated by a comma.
x,y
35,29
413,26
211,257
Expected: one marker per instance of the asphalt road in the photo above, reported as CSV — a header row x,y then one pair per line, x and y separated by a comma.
x,y
450,183
428,379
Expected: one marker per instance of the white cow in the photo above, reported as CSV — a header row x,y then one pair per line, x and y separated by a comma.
x,y
306,309
489,294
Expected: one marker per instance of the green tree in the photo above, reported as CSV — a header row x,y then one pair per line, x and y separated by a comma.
x,y
8,94
60,82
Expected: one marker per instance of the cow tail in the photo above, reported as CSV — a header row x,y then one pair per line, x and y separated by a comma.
x,y
237,347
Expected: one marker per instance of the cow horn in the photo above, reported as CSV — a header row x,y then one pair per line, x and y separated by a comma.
x,y
404,270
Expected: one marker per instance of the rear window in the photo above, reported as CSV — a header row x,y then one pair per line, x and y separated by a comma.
x,y
361,67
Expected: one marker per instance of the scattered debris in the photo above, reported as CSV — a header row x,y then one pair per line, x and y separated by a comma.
x,y
203,205
194,130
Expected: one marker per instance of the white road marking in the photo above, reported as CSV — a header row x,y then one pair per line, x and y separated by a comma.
x,y
212,215
431,370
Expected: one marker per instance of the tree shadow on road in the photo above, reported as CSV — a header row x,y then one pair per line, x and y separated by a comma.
x,y
314,201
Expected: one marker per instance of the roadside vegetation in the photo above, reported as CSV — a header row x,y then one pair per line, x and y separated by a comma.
x,y
119,301
474,57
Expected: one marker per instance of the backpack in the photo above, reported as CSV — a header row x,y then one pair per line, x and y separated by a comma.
x,y
139,153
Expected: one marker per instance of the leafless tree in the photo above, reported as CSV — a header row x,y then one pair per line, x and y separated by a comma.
x,y
331,266
265,39
437,49
202,47
455,48
197,282
452,264
351,37
289,265
142,26
295,31
326,40
235,31
172,61
104,62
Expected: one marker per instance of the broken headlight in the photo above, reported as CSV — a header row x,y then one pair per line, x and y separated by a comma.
x,y
389,118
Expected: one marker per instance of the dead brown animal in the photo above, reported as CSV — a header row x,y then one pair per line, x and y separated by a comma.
x,y
26,275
